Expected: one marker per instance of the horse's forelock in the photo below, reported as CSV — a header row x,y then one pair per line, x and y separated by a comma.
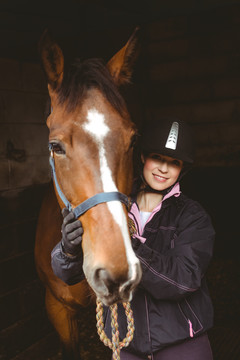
x,y
81,76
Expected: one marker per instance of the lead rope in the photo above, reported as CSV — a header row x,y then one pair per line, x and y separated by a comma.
x,y
115,345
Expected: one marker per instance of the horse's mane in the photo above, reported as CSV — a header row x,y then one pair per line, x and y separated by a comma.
x,y
81,76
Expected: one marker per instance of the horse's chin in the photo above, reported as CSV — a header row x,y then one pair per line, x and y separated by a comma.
x,y
113,299
108,297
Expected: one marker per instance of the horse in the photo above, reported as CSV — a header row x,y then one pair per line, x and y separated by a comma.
x,y
91,137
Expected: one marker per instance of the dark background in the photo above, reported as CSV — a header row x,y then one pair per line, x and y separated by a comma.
x,y
189,67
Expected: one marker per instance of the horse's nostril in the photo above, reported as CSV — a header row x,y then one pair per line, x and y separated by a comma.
x,y
126,288
102,277
134,280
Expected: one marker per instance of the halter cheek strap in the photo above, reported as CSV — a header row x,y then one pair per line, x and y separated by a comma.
x,y
89,203
59,191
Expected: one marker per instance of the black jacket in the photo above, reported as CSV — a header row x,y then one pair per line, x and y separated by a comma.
x,y
172,301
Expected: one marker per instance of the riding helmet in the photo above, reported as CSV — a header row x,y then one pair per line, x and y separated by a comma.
x,y
168,136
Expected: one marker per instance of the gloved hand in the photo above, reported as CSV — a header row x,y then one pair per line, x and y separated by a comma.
x,y
71,233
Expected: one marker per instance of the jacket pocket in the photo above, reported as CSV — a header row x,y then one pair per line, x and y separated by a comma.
x,y
192,320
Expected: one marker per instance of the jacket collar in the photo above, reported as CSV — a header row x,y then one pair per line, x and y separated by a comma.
x,y
134,213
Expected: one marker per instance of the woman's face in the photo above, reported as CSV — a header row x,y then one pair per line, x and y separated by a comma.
x,y
160,171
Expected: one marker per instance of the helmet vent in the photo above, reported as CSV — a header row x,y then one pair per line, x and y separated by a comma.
x,y
173,136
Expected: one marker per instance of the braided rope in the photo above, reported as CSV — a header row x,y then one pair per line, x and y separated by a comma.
x,y
115,345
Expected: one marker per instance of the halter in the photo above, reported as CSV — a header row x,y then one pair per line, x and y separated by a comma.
x,y
90,202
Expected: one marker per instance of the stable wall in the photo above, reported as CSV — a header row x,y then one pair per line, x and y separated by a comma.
x,y
193,73
23,172
24,145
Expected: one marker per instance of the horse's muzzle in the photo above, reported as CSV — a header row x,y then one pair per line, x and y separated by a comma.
x,y
110,290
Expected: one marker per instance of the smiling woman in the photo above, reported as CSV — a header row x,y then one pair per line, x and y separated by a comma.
x,y
161,172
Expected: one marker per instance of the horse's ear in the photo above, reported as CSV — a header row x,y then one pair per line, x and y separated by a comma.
x,y
52,60
121,64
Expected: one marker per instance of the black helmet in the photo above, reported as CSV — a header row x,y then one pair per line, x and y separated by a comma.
x,y
168,136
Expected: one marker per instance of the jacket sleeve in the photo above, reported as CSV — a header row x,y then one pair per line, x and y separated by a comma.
x,y
180,270
67,268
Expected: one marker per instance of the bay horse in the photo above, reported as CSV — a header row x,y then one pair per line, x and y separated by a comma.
x,y
91,138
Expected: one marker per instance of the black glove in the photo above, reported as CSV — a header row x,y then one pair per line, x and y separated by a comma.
x,y
71,233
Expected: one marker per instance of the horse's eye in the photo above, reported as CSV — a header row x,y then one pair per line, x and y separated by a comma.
x,y
56,148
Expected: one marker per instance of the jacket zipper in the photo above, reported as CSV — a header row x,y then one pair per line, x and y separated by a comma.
x,y
191,332
190,328
147,314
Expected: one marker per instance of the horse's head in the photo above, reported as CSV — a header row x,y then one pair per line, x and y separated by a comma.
x,y
91,136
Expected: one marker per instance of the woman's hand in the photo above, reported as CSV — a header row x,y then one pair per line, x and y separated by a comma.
x,y
71,233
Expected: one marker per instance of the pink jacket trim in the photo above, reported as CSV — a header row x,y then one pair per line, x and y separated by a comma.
x,y
134,213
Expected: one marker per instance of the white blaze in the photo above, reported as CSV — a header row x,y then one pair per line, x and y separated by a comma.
x,y
98,129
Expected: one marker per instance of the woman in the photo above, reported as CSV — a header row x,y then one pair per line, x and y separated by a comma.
x,y
173,240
